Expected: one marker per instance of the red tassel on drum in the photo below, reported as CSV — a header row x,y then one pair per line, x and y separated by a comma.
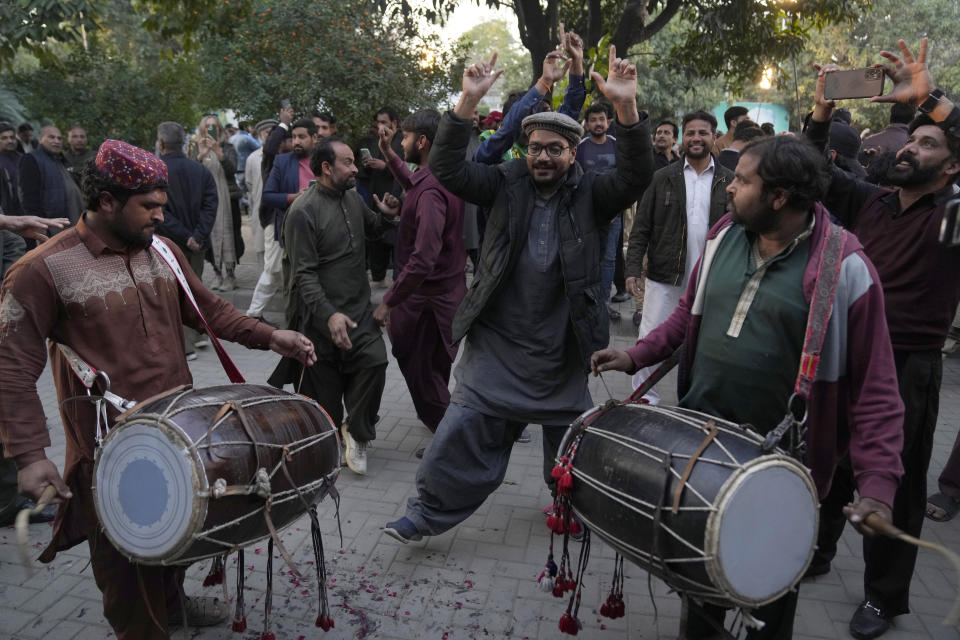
x,y
558,469
569,624
217,573
574,527
614,607
565,484
324,619
239,619
325,622
268,595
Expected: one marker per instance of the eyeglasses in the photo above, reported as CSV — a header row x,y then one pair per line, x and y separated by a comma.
x,y
553,150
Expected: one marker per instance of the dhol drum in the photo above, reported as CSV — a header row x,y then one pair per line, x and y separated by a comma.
x,y
743,528
195,473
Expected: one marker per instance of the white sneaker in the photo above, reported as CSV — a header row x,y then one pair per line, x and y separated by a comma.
x,y
356,454
202,343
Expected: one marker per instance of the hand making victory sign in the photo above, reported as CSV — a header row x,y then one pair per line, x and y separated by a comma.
x,y
620,87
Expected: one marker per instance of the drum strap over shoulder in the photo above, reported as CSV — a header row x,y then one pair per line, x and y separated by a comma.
x,y
166,254
818,321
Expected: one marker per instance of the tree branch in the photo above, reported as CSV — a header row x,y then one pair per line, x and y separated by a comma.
x,y
595,23
628,35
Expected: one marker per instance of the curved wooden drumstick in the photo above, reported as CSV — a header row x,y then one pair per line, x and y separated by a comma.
x,y
23,524
887,529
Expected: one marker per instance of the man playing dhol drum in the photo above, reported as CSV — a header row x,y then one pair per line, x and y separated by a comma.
x,y
743,320
101,290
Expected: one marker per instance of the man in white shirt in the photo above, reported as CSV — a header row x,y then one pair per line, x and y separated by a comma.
x,y
678,208
269,280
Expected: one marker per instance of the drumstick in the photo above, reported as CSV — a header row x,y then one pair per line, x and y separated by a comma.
x,y
23,523
881,526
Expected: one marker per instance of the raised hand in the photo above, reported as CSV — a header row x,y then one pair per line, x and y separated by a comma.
x,y
620,87
286,114
912,82
389,206
552,69
573,44
479,77
823,108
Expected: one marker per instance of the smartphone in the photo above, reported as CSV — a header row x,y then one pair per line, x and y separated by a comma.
x,y
285,103
950,225
212,132
365,153
854,83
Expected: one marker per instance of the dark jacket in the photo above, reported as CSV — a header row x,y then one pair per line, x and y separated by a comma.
x,y
587,204
46,188
660,227
284,179
192,201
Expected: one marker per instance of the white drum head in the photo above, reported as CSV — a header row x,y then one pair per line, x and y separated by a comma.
x,y
763,534
145,491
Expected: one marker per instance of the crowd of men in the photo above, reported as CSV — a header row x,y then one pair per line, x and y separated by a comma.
x,y
725,237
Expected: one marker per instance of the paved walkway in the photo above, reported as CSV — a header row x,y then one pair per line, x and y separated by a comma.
x,y
476,581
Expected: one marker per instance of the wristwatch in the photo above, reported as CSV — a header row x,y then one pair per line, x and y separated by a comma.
x,y
931,102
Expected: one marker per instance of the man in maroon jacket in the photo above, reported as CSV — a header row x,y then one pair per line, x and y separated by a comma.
x,y
418,309
743,320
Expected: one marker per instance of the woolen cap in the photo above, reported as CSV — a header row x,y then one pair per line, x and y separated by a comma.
x,y
556,122
266,124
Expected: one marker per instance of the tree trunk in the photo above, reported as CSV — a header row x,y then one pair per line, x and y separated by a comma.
x,y
538,30
629,30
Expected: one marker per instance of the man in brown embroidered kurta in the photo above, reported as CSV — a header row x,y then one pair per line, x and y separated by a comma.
x,y
99,289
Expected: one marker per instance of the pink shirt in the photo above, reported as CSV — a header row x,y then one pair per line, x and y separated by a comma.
x,y
306,175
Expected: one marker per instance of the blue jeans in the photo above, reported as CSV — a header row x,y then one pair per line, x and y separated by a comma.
x,y
609,264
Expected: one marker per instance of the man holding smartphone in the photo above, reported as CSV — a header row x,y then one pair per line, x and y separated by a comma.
x,y
899,229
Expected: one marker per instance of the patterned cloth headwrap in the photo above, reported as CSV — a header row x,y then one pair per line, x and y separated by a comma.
x,y
130,166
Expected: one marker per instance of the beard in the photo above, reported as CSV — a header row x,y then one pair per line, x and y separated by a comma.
x,y
702,151
412,155
300,152
760,219
133,238
346,183
899,176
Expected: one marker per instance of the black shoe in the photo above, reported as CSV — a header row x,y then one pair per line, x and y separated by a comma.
x,y
614,314
868,622
637,316
10,515
525,437
419,453
620,296
402,530
815,570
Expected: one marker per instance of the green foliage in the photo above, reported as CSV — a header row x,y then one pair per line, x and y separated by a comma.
x,y
859,44
323,55
112,97
33,25
480,41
